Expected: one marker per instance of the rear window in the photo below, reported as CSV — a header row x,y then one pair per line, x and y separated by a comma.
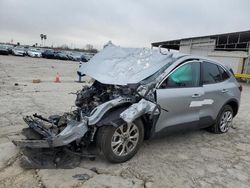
x,y
211,73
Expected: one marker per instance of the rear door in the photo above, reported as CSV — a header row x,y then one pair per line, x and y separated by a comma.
x,y
179,93
217,87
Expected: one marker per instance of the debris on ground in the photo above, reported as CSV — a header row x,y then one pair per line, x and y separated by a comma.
x,y
36,81
81,176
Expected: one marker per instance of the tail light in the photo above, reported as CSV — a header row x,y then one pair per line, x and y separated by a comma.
x,y
240,88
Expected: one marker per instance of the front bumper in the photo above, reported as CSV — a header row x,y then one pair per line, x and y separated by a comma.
x,y
73,131
34,55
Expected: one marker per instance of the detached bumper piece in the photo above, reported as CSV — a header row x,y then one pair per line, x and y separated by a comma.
x,y
31,143
49,133
49,145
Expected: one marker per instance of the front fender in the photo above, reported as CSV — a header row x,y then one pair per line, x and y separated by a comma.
x,y
138,109
97,114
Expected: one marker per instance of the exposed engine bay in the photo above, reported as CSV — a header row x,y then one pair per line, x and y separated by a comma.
x,y
89,98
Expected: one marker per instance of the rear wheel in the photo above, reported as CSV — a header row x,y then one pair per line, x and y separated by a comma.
x,y
119,144
224,120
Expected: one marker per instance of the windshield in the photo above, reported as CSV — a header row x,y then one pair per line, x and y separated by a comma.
x,y
49,51
156,74
19,48
4,47
35,50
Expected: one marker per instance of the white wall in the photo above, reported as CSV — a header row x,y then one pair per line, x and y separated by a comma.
x,y
232,62
205,47
232,59
200,46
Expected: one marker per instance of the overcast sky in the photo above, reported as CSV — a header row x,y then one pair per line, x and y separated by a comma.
x,y
134,23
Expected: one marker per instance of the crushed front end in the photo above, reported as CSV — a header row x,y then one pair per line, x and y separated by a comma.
x,y
73,132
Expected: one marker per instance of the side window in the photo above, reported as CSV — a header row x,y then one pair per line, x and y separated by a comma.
x,y
224,74
211,73
187,75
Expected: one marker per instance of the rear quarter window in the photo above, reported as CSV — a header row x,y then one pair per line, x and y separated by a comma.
x,y
224,74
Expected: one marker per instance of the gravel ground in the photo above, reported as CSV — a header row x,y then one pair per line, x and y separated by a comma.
x,y
193,159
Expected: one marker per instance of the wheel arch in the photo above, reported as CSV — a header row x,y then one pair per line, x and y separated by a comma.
x,y
234,104
112,116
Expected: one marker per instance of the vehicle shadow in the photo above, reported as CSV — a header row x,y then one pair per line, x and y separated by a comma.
x,y
52,159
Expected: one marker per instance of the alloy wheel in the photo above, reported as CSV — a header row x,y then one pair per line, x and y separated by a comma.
x,y
125,139
226,121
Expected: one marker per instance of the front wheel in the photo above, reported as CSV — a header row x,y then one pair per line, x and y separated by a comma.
x,y
119,144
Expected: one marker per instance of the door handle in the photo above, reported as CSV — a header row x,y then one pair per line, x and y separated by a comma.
x,y
196,95
224,90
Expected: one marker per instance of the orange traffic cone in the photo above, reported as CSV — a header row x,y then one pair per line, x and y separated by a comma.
x,y
57,80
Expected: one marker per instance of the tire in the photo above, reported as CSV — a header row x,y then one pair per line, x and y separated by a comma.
x,y
119,153
226,115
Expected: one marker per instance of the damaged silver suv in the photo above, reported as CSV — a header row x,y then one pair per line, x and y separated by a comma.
x,y
137,94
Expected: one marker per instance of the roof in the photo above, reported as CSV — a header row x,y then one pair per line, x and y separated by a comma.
x,y
227,41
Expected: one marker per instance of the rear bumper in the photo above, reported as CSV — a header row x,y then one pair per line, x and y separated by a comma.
x,y
34,55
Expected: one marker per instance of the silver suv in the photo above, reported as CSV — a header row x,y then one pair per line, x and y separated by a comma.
x,y
138,94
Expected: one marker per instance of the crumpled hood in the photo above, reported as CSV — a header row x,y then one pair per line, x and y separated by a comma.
x,y
122,66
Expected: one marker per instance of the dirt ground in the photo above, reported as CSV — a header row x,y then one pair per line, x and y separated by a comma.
x,y
193,159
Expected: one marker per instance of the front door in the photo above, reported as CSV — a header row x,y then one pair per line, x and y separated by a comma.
x,y
181,93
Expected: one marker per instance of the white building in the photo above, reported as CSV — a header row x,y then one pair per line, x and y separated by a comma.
x,y
231,49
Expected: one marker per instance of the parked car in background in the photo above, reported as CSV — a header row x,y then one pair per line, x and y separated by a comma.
x,y
26,48
74,56
10,47
4,50
19,51
32,52
83,59
61,55
88,56
49,54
